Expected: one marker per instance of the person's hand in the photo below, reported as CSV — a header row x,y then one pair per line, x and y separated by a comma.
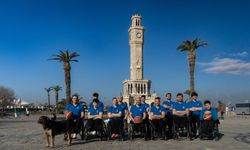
x,y
192,109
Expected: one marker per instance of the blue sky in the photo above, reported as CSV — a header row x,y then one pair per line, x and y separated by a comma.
x,y
31,31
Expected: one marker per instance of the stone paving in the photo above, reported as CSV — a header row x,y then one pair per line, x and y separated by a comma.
x,y
25,133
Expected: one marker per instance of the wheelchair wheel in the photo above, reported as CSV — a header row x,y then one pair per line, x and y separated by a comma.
x,y
152,132
103,132
82,132
85,134
130,131
145,132
108,132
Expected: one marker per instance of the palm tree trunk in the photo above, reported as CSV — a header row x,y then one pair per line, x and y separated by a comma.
x,y
49,101
67,69
56,96
192,58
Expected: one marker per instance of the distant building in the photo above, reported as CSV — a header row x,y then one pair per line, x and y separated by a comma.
x,y
136,86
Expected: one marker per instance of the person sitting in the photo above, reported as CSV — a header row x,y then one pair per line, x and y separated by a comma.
x,y
168,105
124,108
157,114
96,98
209,119
95,116
114,115
137,114
77,114
146,108
180,112
195,107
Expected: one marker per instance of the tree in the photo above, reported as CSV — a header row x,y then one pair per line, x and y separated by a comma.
x,y
188,93
66,58
48,93
7,97
56,89
191,46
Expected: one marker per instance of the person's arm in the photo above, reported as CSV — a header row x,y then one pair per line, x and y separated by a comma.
x,y
82,115
131,116
199,108
144,116
214,115
202,115
117,115
181,113
91,116
110,115
126,114
151,115
66,108
99,116
166,106
162,115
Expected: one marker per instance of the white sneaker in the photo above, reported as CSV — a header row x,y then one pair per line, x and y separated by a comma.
x,y
74,136
93,132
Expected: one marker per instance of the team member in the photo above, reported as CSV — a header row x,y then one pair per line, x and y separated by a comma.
x,y
180,112
99,103
157,114
124,108
137,114
168,105
147,108
209,118
195,108
95,116
77,111
114,115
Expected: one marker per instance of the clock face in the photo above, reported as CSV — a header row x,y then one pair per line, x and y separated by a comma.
x,y
138,35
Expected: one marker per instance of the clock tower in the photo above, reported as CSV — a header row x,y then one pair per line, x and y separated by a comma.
x,y
136,86
136,35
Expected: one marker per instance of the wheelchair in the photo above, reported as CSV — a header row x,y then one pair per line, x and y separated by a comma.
x,y
78,127
100,131
194,126
181,127
210,130
137,129
158,132
121,130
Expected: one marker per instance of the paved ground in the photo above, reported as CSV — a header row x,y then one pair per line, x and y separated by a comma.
x,y
25,134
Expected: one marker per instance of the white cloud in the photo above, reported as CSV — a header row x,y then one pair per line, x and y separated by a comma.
x,y
226,66
240,54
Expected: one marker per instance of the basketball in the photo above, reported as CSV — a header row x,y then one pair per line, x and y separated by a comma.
x,y
207,115
137,119
68,114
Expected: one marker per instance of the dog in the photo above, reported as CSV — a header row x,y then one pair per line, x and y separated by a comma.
x,y
53,128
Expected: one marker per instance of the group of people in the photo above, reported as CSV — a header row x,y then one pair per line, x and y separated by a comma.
x,y
162,113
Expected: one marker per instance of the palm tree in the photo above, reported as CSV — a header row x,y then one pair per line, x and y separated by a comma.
x,y
48,93
66,57
56,89
190,46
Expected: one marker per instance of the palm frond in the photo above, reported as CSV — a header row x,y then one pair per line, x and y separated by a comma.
x,y
191,45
